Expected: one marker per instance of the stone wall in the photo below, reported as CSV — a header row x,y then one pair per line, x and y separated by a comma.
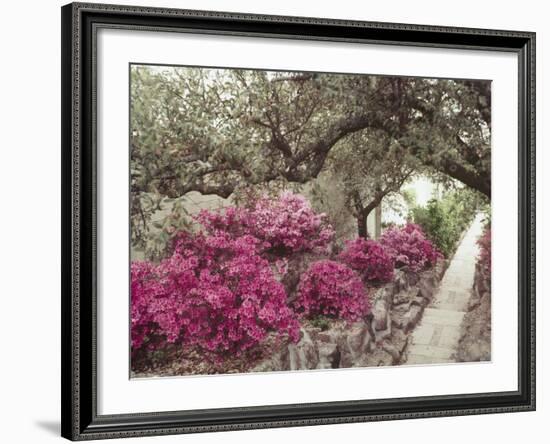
x,y
475,334
380,340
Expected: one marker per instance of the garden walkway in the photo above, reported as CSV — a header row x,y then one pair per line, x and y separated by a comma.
x,y
436,338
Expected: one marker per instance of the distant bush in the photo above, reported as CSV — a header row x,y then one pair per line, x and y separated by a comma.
x,y
408,246
331,289
444,220
484,243
369,259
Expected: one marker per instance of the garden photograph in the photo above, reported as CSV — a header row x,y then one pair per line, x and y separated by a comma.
x,y
290,221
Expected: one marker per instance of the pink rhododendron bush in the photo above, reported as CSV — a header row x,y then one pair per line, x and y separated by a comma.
x,y
214,293
285,225
408,246
219,290
369,259
331,289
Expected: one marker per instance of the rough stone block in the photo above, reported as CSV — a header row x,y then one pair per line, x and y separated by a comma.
x,y
380,314
413,317
329,356
377,358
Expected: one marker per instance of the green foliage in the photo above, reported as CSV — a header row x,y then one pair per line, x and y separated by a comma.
x,y
216,131
162,219
409,196
399,204
320,322
444,220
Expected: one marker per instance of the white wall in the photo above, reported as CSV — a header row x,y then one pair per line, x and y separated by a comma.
x,y
30,232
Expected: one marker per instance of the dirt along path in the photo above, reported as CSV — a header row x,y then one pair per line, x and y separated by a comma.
x,y
435,340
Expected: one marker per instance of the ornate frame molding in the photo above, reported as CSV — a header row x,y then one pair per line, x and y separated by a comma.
x,y
80,22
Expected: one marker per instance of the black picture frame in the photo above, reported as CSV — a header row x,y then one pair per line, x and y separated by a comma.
x,y
80,420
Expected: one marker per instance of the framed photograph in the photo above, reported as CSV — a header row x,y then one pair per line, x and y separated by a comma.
x,y
282,221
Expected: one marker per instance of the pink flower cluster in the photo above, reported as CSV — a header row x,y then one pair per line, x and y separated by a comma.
x,y
214,293
368,258
331,289
285,225
144,328
484,243
408,246
217,291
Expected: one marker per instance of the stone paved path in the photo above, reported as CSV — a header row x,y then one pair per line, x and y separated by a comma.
x,y
436,338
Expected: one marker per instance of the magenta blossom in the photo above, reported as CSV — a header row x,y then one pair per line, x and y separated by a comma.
x,y
214,293
408,246
369,259
484,243
331,289
284,226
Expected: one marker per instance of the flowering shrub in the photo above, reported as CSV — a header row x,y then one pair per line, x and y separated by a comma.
x,y
285,225
369,259
484,243
214,293
232,220
408,246
144,327
331,289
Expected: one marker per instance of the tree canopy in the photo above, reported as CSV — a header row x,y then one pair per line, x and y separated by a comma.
x,y
215,131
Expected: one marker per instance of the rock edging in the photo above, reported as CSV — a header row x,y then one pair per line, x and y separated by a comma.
x,y
475,332
379,340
